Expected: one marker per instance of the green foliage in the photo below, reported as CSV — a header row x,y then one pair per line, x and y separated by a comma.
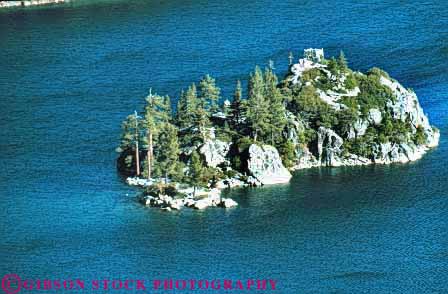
x,y
346,118
394,130
238,110
311,75
333,67
257,106
351,82
373,94
157,111
313,108
362,145
130,134
287,153
276,119
186,108
209,94
342,62
197,176
192,116
166,153
375,71
319,79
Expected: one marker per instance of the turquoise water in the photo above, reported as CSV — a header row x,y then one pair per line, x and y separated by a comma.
x,y
70,74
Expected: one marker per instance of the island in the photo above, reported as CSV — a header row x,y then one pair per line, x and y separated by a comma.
x,y
321,114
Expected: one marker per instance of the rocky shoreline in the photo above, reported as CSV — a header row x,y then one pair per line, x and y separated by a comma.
x,y
11,4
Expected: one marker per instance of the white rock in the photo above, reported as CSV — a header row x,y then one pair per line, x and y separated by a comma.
x,y
375,116
305,159
215,152
228,203
202,203
266,166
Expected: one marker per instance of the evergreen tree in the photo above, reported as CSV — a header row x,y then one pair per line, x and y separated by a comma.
x,y
186,108
157,113
131,140
257,108
333,66
287,151
238,109
202,122
209,94
196,173
276,116
167,153
342,62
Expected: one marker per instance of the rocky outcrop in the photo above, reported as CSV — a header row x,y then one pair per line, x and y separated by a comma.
x,y
329,147
165,202
298,69
265,165
215,152
389,153
407,106
304,158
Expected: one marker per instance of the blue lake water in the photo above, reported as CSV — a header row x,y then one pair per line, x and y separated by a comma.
x,y
70,74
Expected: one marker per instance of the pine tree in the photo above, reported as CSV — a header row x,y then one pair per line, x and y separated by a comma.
x,y
342,62
209,94
333,66
186,108
131,139
237,110
157,113
202,122
276,116
196,172
167,152
257,108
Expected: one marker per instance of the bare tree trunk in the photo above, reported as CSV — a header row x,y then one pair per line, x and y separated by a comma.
x,y
137,153
149,154
137,159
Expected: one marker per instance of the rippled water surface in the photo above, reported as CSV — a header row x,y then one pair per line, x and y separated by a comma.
x,y
70,74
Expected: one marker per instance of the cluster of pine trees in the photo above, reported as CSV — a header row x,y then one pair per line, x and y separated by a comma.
x,y
151,143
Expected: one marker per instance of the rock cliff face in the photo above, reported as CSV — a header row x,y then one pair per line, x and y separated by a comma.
x,y
265,165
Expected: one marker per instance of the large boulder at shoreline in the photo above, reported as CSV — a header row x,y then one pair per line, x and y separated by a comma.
x,y
264,164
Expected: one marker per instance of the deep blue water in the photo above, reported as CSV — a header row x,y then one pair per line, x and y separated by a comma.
x,y
70,74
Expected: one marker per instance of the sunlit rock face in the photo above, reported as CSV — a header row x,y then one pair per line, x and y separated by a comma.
x,y
266,166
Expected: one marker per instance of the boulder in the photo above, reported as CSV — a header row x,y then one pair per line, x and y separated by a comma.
x,y
202,203
375,116
266,166
228,203
215,152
